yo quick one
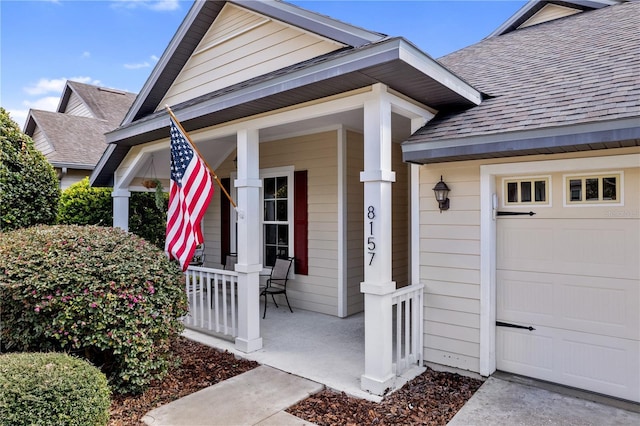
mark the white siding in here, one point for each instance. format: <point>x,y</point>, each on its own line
<point>549,13</point>
<point>450,266</point>
<point>73,176</point>
<point>76,107</point>
<point>401,219</point>
<point>450,255</point>
<point>241,45</point>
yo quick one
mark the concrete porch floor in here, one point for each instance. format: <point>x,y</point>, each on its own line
<point>322,348</point>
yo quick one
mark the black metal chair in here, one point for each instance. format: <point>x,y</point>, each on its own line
<point>230,261</point>
<point>277,282</point>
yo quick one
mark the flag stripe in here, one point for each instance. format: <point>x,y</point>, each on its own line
<point>190,192</point>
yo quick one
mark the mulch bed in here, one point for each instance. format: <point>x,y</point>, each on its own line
<point>432,398</point>
<point>201,366</point>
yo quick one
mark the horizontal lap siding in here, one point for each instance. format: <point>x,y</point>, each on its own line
<point>354,226</point>
<point>76,107</point>
<point>241,45</point>
<point>317,153</point>
<point>450,267</point>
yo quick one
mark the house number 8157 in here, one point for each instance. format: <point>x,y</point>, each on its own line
<point>371,244</point>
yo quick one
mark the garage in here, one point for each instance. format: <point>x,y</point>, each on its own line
<point>568,278</point>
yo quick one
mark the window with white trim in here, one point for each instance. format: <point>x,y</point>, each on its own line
<point>276,220</point>
<point>526,191</point>
<point>593,189</point>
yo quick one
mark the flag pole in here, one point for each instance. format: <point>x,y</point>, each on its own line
<point>195,148</point>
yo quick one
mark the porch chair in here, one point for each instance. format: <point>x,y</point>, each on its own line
<point>198,256</point>
<point>277,282</point>
<point>230,261</point>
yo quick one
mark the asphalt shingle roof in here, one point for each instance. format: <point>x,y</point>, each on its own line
<point>75,140</point>
<point>579,69</point>
<point>80,140</point>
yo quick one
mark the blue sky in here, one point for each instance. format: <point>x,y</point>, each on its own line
<point>116,43</point>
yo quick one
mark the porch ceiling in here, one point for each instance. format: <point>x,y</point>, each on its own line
<point>212,149</point>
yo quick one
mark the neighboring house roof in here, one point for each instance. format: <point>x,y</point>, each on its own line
<point>104,103</point>
<point>368,58</point>
<point>565,85</point>
<point>74,135</point>
<point>77,142</point>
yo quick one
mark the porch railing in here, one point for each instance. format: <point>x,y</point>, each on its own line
<point>408,325</point>
<point>213,301</point>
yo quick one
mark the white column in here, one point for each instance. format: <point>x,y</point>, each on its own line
<point>121,208</point>
<point>378,285</point>
<point>248,186</point>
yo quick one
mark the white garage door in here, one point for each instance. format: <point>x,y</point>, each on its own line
<point>575,281</point>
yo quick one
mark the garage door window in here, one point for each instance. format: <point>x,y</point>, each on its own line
<point>526,191</point>
<point>593,189</point>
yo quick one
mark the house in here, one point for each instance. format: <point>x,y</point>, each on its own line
<point>72,138</point>
<point>331,138</point>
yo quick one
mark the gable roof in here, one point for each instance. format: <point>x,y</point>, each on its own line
<point>78,141</point>
<point>533,7</point>
<point>564,85</point>
<point>198,21</point>
<point>104,103</point>
<point>368,58</point>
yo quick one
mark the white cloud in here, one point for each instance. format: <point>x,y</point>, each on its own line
<point>137,66</point>
<point>48,103</point>
<point>19,116</point>
<point>86,54</point>
<point>158,5</point>
<point>144,64</point>
<point>55,85</point>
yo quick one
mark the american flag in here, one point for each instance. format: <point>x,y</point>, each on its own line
<point>190,191</point>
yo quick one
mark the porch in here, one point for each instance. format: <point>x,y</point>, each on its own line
<point>323,348</point>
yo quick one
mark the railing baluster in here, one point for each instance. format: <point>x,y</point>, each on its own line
<point>407,307</point>
<point>220,300</point>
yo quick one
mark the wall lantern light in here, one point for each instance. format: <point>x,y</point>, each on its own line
<point>441,190</point>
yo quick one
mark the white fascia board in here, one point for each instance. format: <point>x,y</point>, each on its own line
<point>429,66</point>
<point>547,132</point>
<point>313,22</point>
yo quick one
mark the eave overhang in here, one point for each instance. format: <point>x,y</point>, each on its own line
<point>618,133</point>
<point>393,62</point>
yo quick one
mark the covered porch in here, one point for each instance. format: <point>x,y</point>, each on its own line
<point>323,348</point>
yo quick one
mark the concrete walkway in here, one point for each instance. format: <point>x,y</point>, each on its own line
<point>257,397</point>
<point>504,403</point>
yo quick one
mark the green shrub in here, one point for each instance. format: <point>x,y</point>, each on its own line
<point>100,293</point>
<point>29,190</point>
<point>82,204</point>
<point>51,389</point>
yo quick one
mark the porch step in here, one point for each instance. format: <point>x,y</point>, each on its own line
<point>257,397</point>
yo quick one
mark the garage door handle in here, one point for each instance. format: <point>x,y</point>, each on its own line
<point>515,213</point>
<point>506,324</point>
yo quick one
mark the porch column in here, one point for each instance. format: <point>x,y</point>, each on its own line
<point>248,267</point>
<point>121,208</point>
<point>378,285</point>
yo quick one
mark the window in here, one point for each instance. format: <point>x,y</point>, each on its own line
<point>276,219</point>
<point>284,218</point>
<point>525,191</point>
<point>593,189</point>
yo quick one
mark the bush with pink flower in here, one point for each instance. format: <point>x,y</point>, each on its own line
<point>100,293</point>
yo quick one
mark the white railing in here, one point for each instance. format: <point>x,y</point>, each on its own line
<point>408,325</point>
<point>213,300</point>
